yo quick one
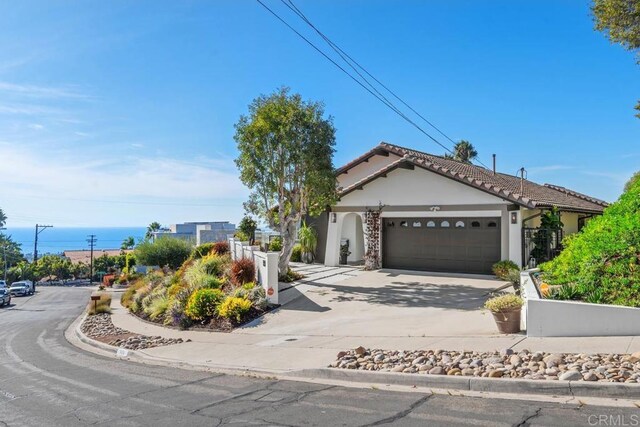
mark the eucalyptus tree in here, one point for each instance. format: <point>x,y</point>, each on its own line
<point>286,147</point>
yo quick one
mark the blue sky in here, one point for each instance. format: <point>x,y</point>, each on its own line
<point>120,113</point>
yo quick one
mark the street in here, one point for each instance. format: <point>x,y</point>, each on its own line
<point>44,381</point>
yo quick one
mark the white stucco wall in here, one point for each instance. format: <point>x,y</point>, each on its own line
<point>404,187</point>
<point>569,219</point>
<point>365,169</point>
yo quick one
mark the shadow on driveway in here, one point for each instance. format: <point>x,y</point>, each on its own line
<point>413,294</point>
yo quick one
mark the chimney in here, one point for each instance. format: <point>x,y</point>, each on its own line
<point>494,164</point>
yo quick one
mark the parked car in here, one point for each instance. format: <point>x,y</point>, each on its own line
<point>3,284</point>
<point>22,288</point>
<point>5,296</point>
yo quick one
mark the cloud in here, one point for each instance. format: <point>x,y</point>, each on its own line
<point>33,91</point>
<point>129,180</point>
<point>549,168</point>
<point>36,126</point>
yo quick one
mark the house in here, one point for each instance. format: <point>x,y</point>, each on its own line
<point>199,232</point>
<point>418,211</point>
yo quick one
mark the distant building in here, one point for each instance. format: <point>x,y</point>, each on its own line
<point>199,232</point>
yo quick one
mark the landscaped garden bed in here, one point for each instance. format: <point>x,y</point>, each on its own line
<point>505,364</point>
<point>208,290</point>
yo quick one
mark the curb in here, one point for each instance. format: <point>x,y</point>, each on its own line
<point>555,388</point>
<point>478,384</point>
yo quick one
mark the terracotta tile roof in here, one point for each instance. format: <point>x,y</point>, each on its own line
<point>509,187</point>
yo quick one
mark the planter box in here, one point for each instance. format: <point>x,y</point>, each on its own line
<point>551,318</point>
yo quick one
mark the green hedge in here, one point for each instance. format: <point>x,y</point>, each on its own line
<point>602,263</point>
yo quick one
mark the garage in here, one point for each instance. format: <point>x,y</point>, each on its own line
<point>461,245</point>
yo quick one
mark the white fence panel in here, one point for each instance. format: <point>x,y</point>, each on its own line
<point>266,264</point>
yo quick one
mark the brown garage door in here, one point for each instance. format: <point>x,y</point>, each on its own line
<point>462,245</point>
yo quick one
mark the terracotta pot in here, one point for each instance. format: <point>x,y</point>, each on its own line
<point>508,321</point>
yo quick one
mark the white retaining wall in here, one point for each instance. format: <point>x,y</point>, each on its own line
<point>266,266</point>
<point>551,318</point>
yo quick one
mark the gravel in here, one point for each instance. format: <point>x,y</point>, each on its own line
<point>504,364</point>
<point>100,326</point>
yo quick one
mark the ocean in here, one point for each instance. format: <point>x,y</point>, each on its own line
<point>59,239</point>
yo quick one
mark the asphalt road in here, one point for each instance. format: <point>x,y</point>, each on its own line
<point>45,381</point>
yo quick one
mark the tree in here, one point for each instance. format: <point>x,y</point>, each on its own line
<point>463,151</point>
<point>164,251</point>
<point>619,20</point>
<point>634,178</point>
<point>128,243</point>
<point>248,227</point>
<point>3,219</point>
<point>153,227</point>
<point>10,250</point>
<point>286,150</point>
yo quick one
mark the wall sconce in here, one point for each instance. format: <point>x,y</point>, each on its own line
<point>514,217</point>
<point>334,217</point>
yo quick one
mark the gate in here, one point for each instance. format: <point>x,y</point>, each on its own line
<point>540,245</point>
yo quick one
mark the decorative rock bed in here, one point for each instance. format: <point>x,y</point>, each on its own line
<point>100,327</point>
<point>504,364</point>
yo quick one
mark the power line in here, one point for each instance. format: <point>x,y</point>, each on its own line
<point>351,62</point>
<point>339,51</point>
<point>393,108</point>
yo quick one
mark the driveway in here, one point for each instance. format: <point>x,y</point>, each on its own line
<point>388,303</point>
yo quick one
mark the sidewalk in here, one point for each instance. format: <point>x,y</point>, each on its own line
<point>255,348</point>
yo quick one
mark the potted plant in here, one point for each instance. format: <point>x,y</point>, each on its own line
<point>506,311</point>
<point>344,253</point>
<point>308,242</point>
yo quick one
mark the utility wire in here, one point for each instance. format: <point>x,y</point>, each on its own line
<point>393,108</point>
<point>337,49</point>
<point>353,64</point>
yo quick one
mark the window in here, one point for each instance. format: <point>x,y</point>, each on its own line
<point>460,224</point>
<point>431,224</point>
<point>492,224</point>
<point>475,224</point>
<point>416,224</point>
<point>444,224</point>
<point>404,224</point>
<point>391,224</point>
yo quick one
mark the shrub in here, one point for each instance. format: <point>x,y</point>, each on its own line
<point>503,303</point>
<point>202,303</point>
<point>158,307</point>
<point>234,307</point>
<point>296,254</point>
<point>308,241</point>
<point>276,244</point>
<point>103,305</point>
<point>502,268</point>
<point>214,264</point>
<point>221,248</point>
<point>202,250</point>
<point>164,251</point>
<point>176,312</point>
<point>213,282</point>
<point>127,296</point>
<point>242,271</point>
<point>602,261</point>
<point>290,276</point>
<point>242,236</point>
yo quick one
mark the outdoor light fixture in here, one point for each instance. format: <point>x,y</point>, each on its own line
<point>333,217</point>
<point>435,208</point>
<point>514,217</point>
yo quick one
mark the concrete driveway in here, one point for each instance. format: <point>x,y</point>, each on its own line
<point>350,302</point>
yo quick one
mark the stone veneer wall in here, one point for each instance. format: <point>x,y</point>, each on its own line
<point>372,231</point>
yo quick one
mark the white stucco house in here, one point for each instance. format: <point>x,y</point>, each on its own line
<point>419,211</point>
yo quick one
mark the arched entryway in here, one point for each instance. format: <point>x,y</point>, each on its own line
<point>353,233</point>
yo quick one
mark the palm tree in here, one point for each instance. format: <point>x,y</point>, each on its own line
<point>463,151</point>
<point>153,227</point>
<point>128,243</point>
